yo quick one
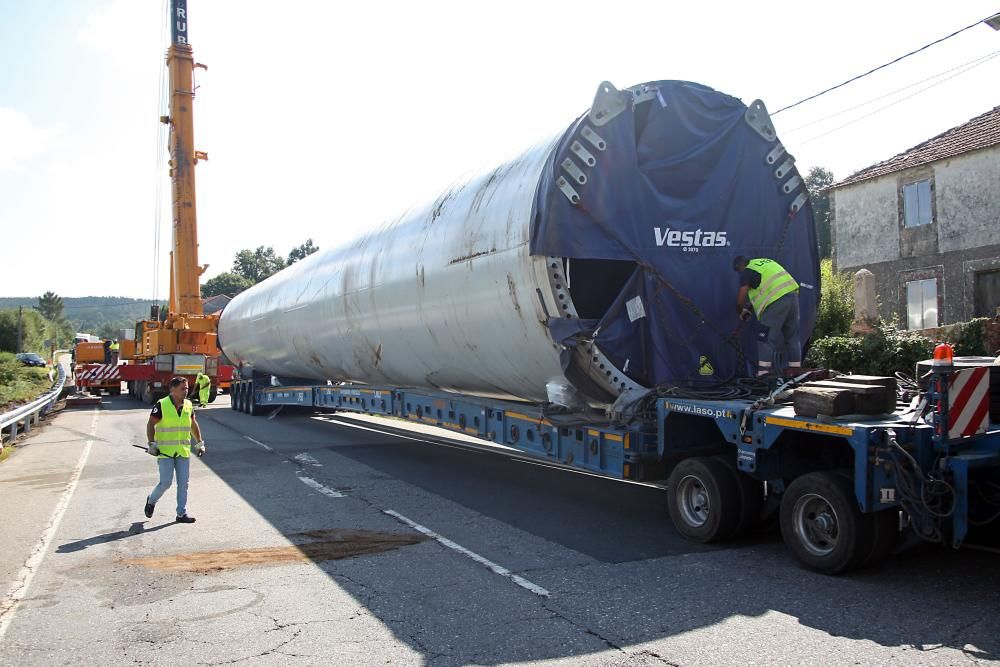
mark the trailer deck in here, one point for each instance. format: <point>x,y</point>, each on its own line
<point>897,467</point>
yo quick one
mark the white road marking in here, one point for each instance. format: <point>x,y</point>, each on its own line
<point>316,486</point>
<point>22,583</point>
<point>258,442</point>
<point>305,459</point>
<point>490,565</point>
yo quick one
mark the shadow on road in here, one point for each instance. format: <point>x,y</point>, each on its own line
<point>645,582</point>
<point>137,528</point>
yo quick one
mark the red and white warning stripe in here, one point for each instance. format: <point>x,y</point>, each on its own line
<point>98,373</point>
<point>969,402</point>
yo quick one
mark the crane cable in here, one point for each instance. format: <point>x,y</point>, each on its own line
<point>880,67</point>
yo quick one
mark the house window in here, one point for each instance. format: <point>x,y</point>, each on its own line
<point>917,204</point>
<point>921,304</point>
<point>987,293</point>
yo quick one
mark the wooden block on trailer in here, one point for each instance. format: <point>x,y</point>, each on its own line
<point>889,383</point>
<point>868,399</point>
<point>831,402</point>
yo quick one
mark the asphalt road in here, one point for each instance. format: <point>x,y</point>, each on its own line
<point>323,540</point>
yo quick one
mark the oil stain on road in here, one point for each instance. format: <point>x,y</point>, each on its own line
<point>321,545</point>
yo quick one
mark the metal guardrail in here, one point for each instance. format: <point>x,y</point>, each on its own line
<point>28,415</point>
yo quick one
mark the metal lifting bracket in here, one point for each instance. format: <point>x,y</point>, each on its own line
<point>759,119</point>
<point>608,103</point>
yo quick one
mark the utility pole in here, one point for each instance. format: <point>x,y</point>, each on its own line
<point>20,330</point>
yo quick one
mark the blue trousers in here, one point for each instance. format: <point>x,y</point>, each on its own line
<point>168,466</point>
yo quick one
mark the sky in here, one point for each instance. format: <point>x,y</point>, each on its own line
<point>324,119</point>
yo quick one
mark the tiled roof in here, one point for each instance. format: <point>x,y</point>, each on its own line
<point>980,132</point>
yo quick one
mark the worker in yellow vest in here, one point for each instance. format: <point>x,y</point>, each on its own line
<point>169,429</point>
<point>774,295</point>
<point>203,384</point>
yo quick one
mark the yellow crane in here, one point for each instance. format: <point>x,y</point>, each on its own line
<point>185,341</point>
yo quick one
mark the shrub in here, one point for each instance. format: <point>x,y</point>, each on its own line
<point>882,352</point>
<point>971,338</point>
<point>836,302</point>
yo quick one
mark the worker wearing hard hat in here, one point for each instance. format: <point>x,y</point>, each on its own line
<point>203,384</point>
<point>774,295</point>
<point>169,429</point>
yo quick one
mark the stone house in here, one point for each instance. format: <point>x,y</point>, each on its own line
<point>926,222</point>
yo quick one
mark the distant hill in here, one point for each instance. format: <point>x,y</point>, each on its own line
<point>89,313</point>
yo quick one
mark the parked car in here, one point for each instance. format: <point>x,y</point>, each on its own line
<point>31,359</point>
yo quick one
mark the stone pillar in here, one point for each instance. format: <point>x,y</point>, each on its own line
<point>865,303</point>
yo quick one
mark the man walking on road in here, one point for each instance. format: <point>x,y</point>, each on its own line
<point>169,430</point>
<point>203,384</point>
<point>774,295</point>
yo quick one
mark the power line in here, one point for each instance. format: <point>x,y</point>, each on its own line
<point>902,99</point>
<point>875,69</point>
<point>978,60</point>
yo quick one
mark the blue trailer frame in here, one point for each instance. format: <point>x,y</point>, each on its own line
<point>766,443</point>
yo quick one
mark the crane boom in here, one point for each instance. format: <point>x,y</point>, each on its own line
<point>185,290</point>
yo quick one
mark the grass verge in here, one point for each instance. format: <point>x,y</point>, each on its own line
<point>19,383</point>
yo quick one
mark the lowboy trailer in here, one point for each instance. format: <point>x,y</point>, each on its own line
<point>846,489</point>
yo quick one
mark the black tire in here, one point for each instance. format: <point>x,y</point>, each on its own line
<point>252,408</point>
<point>232,398</point>
<point>751,498</point>
<point>822,524</point>
<point>885,525</point>
<point>703,499</point>
<point>213,393</point>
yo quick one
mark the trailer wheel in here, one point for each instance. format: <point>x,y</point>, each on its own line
<point>704,500</point>
<point>252,408</point>
<point>213,393</point>
<point>232,397</point>
<point>822,524</point>
<point>751,498</point>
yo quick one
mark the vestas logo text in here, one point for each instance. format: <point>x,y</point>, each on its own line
<point>689,241</point>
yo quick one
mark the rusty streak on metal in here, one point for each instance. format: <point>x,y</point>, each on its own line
<point>465,258</point>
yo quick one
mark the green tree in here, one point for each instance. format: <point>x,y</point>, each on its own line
<point>34,331</point>
<point>50,305</point>
<point>836,302</point>
<point>257,265</point>
<point>107,331</point>
<point>302,251</point>
<point>816,182</point>
<point>225,283</point>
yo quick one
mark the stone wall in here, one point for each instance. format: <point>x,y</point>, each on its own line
<point>963,239</point>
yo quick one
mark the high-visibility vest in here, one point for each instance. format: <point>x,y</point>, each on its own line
<point>114,347</point>
<point>775,283</point>
<point>172,433</point>
<point>203,381</point>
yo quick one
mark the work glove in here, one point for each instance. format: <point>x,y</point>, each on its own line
<point>152,449</point>
<point>745,314</point>
<point>199,448</point>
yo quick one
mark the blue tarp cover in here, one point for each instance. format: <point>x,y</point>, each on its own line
<point>681,189</point>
